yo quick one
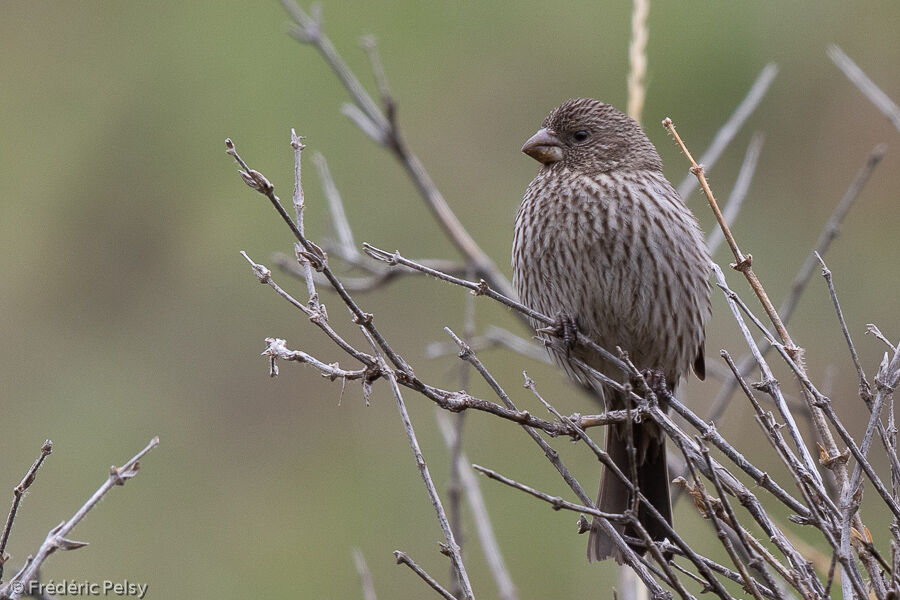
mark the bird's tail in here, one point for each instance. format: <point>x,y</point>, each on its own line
<point>614,496</point>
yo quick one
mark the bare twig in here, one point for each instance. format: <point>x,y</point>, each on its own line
<point>873,329</point>
<point>793,354</point>
<point>56,539</point>
<point>557,502</point>
<point>871,91</point>
<point>630,557</point>
<point>801,279</point>
<point>18,493</point>
<point>771,385</point>
<point>493,337</point>
<point>342,227</point>
<point>365,576</point>
<point>404,559</point>
<point>454,442</point>
<point>832,228</point>
<point>865,390</point>
<point>748,544</point>
<point>383,128</point>
<point>277,348</point>
<point>739,191</point>
<point>731,127</point>
<point>702,563</point>
<point>452,546</point>
<point>506,589</point>
<point>710,513</point>
<point>299,206</point>
<point>481,288</point>
<point>258,182</point>
<point>374,278</point>
<point>318,316</point>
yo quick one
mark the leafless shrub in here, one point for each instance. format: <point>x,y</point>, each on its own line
<point>821,490</point>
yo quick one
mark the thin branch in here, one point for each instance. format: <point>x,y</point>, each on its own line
<point>461,401</point>
<point>506,589</point>
<point>770,384</point>
<point>733,485</point>
<point>454,485</point>
<point>384,129</point>
<point>557,502</point>
<point>481,288</point>
<point>681,546</point>
<point>493,337</point>
<point>299,206</point>
<point>56,538</point>
<point>404,559</point>
<point>865,390</point>
<point>873,329</point>
<point>823,403</point>
<point>342,227</point>
<point>365,576</point>
<point>731,127</point>
<point>747,543</point>
<point>469,356</point>
<point>801,279</point>
<point>452,546</point>
<point>862,82</point>
<point>277,348</point>
<point>18,493</point>
<point>317,257</point>
<point>374,278</point>
<point>710,513</point>
<point>832,228</point>
<point>739,191</point>
<point>743,262</point>
<point>553,456</point>
<point>317,316</point>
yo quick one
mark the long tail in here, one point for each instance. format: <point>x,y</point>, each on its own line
<point>614,496</point>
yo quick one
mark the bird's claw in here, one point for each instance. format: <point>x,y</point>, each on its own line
<point>566,329</point>
<point>655,380</point>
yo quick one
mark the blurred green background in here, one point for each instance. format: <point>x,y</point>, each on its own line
<point>127,311</point>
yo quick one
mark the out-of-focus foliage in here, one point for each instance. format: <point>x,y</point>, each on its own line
<point>127,311</point>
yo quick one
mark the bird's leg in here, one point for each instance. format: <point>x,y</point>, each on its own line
<point>656,381</point>
<point>564,328</point>
<point>567,330</point>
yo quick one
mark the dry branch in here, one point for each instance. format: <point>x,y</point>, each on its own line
<point>56,539</point>
<point>767,567</point>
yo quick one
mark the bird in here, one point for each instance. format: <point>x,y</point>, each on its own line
<point>604,244</point>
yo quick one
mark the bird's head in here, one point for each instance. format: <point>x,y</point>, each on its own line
<point>588,136</point>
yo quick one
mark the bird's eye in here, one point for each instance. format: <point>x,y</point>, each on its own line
<point>581,135</point>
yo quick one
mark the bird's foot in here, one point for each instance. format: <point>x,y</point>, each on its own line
<point>567,331</point>
<point>564,328</point>
<point>656,381</point>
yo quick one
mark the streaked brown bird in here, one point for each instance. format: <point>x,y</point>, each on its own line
<point>604,242</point>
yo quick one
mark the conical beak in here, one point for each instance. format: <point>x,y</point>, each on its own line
<point>544,147</point>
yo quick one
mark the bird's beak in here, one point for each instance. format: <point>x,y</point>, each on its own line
<point>544,147</point>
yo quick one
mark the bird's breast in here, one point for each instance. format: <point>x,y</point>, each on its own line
<point>618,255</point>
